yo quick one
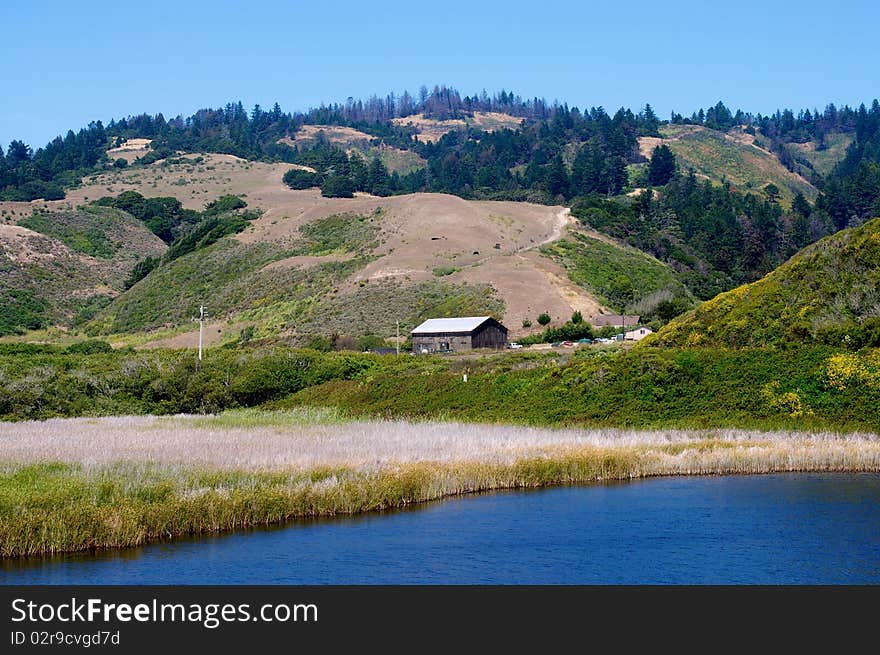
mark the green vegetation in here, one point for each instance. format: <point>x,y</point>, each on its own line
<point>642,387</point>
<point>80,231</point>
<point>620,277</point>
<point>745,167</point>
<point>232,274</point>
<point>403,162</point>
<point>714,237</point>
<point>338,186</point>
<point>662,166</point>
<point>507,146</point>
<point>43,381</point>
<point>570,331</point>
<point>340,234</point>
<point>298,179</point>
<point>203,234</point>
<point>71,264</point>
<point>443,271</point>
<point>828,293</point>
<point>824,156</point>
<point>165,217</point>
<point>20,309</point>
<point>808,388</point>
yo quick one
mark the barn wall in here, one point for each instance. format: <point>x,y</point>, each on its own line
<point>489,336</point>
<point>433,342</point>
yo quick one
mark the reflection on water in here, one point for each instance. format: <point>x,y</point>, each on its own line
<point>774,529</point>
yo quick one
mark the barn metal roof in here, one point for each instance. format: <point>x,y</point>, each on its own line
<point>464,324</point>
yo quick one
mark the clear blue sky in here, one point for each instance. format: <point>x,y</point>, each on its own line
<point>67,63</point>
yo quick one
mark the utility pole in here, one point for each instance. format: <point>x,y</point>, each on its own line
<point>397,340</point>
<point>203,316</point>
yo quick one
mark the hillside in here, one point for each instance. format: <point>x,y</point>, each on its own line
<point>352,140</point>
<point>733,157</point>
<point>447,204</point>
<point>318,266</point>
<point>824,158</point>
<point>827,293</point>
<point>623,278</point>
<point>58,267</point>
<point>429,130</point>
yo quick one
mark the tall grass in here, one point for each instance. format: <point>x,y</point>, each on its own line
<point>123,482</point>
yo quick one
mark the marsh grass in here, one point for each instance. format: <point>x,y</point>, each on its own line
<point>256,418</point>
<point>127,481</point>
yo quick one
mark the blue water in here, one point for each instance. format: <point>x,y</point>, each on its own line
<point>773,529</point>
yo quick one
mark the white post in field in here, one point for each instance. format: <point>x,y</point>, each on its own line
<point>202,317</point>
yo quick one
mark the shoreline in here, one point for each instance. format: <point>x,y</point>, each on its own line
<point>80,503</point>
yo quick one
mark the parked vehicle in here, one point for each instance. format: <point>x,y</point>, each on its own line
<point>514,345</point>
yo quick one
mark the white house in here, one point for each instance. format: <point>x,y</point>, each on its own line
<point>638,334</point>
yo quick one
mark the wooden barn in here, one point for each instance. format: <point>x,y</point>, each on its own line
<point>440,335</point>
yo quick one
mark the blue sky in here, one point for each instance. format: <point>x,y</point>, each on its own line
<point>64,64</point>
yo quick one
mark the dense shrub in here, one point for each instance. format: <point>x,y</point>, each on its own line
<point>89,347</point>
<point>297,178</point>
<point>338,186</point>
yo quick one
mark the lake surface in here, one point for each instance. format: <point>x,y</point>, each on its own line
<point>771,529</point>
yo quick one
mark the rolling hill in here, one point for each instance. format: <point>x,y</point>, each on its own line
<point>58,268</point>
<point>827,293</point>
<point>469,213</point>
<point>314,265</point>
<point>311,265</point>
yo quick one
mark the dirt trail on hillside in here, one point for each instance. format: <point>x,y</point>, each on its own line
<point>423,236</point>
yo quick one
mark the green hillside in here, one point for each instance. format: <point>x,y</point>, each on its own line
<point>295,299</point>
<point>824,158</point>
<point>58,267</point>
<point>827,293</point>
<point>722,158</point>
<point>619,276</point>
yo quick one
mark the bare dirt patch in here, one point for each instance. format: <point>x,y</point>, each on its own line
<point>430,129</point>
<point>130,150</point>
<point>307,261</point>
<point>647,145</point>
<point>336,134</point>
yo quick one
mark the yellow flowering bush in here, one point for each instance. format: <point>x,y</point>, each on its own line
<point>788,402</point>
<point>850,368</point>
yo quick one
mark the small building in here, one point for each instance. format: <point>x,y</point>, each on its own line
<point>638,334</point>
<point>615,320</point>
<point>441,335</point>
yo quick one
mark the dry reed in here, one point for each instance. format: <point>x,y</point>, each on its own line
<point>74,484</point>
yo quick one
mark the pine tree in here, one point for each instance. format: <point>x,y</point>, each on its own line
<point>557,178</point>
<point>650,122</point>
<point>662,166</point>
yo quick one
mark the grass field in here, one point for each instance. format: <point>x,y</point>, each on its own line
<point>127,481</point>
